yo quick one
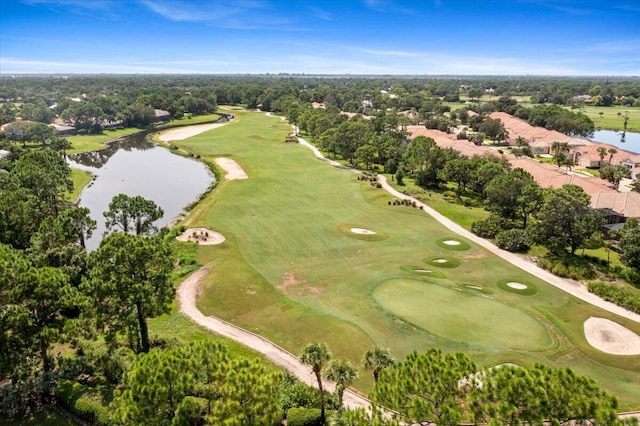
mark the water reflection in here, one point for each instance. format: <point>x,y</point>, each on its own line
<point>135,166</point>
<point>627,141</point>
<point>97,159</point>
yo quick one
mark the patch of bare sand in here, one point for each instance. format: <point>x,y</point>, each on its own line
<point>233,169</point>
<point>290,280</point>
<point>362,231</point>
<point>202,236</point>
<point>610,337</point>
<point>186,132</point>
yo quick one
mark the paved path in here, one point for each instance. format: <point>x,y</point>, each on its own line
<point>188,292</point>
<point>572,287</point>
<point>190,289</point>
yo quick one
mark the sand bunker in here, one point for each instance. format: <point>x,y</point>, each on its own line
<point>439,260</point>
<point>362,231</point>
<point>182,133</point>
<point>426,271</point>
<point>451,242</point>
<point>202,236</point>
<point>517,286</point>
<point>233,169</point>
<point>610,337</point>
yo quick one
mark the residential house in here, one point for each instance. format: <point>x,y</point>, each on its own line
<point>162,116</point>
<point>64,130</point>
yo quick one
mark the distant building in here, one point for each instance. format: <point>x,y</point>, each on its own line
<point>582,98</point>
<point>162,116</point>
<point>64,130</point>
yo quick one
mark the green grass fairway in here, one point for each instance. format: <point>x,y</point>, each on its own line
<point>288,272</point>
<point>610,120</point>
<point>475,320</point>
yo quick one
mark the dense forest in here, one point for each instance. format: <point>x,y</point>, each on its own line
<point>75,323</point>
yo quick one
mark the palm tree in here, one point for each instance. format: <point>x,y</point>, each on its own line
<point>315,355</point>
<point>611,152</point>
<point>602,152</point>
<point>344,374</point>
<point>376,360</point>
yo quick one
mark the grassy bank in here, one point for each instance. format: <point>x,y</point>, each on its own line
<point>288,271</point>
<point>612,118</point>
<point>80,179</point>
<point>82,143</point>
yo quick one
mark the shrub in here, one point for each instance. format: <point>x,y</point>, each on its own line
<point>572,267</point>
<point>489,227</point>
<point>25,396</point>
<point>513,240</point>
<point>79,400</point>
<point>626,298</point>
<point>305,416</point>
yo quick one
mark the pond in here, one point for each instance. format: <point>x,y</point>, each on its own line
<point>134,166</point>
<point>627,141</point>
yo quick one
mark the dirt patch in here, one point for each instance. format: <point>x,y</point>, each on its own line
<point>290,280</point>
<point>202,236</point>
<point>233,169</point>
<point>188,131</point>
<point>610,337</point>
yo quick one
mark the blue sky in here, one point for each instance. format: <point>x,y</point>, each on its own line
<point>484,37</point>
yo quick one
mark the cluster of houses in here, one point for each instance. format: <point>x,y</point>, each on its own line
<point>161,116</point>
<point>618,205</point>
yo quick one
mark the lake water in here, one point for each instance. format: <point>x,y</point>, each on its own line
<point>631,140</point>
<point>135,166</point>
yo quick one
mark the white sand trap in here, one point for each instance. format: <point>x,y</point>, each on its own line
<point>182,133</point>
<point>610,337</point>
<point>517,286</point>
<point>475,287</point>
<point>233,169</point>
<point>439,260</point>
<point>202,236</point>
<point>426,271</point>
<point>452,242</point>
<point>362,231</point>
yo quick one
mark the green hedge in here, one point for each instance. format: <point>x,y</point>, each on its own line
<point>79,400</point>
<point>305,416</point>
<point>626,298</point>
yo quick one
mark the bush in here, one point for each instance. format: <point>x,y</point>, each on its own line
<point>572,267</point>
<point>513,240</point>
<point>25,396</point>
<point>489,227</point>
<point>626,298</point>
<point>92,411</point>
<point>79,400</point>
<point>305,416</point>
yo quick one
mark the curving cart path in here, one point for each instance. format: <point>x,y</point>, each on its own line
<point>575,288</point>
<point>189,290</point>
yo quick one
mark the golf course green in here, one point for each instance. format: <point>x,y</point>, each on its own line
<point>299,265</point>
<point>429,306</point>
